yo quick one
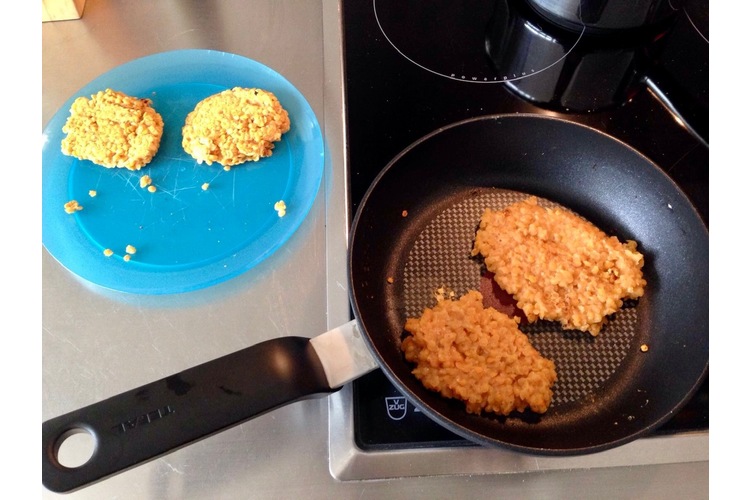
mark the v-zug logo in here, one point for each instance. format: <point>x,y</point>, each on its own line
<point>396,407</point>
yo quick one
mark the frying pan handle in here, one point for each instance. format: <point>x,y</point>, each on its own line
<point>144,423</point>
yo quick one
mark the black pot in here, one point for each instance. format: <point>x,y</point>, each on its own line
<point>606,15</point>
<point>581,72</point>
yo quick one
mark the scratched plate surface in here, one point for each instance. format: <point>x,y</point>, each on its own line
<point>185,237</point>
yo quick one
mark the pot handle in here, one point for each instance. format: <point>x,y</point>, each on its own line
<point>145,423</point>
<point>692,116</point>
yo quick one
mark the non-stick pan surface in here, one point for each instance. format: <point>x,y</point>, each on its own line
<point>416,224</point>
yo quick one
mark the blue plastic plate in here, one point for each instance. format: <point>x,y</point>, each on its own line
<point>185,237</point>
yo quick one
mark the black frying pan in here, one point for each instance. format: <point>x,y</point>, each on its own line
<point>415,225</point>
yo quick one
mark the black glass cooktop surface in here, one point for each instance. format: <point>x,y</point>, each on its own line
<point>412,67</point>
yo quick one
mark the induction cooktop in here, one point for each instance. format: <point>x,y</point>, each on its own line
<point>411,67</point>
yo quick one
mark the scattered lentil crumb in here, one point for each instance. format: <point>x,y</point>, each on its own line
<point>227,168</point>
<point>145,181</point>
<point>644,347</point>
<point>444,294</point>
<point>92,193</point>
<point>130,249</point>
<point>280,207</point>
<point>126,258</point>
<point>390,279</point>
<point>72,207</point>
<point>204,186</point>
<point>152,189</point>
<point>404,213</point>
<point>108,252</point>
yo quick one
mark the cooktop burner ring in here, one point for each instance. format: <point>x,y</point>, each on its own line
<point>697,16</point>
<point>483,73</point>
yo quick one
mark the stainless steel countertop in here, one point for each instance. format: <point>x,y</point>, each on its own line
<point>96,344</point>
